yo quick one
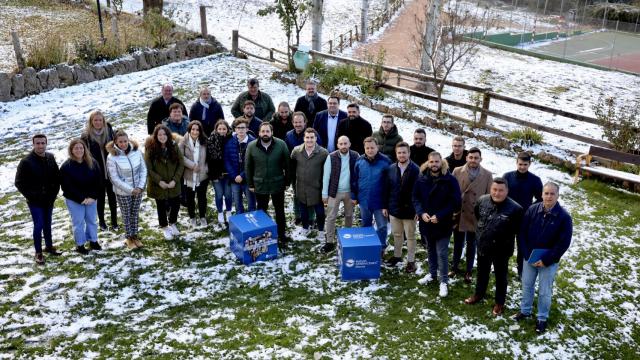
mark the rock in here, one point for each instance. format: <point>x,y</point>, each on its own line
<point>171,54</point>
<point>118,68</point>
<point>31,81</point>
<point>161,57</point>
<point>208,49</point>
<point>150,56</point>
<point>82,75</point>
<point>130,65</point>
<point>17,86</point>
<point>5,87</point>
<point>181,49</point>
<point>108,68</point>
<point>53,80</point>
<point>43,77</point>
<point>99,72</point>
<point>141,61</point>
<point>65,74</point>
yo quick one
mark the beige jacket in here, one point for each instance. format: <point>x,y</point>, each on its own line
<point>471,192</point>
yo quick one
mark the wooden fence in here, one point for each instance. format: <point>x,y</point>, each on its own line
<point>235,50</point>
<point>487,95</point>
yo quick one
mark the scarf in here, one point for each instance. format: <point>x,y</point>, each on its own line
<point>195,145</point>
<point>312,104</point>
<point>101,138</point>
<point>205,107</point>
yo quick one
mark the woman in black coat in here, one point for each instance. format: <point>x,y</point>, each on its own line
<point>96,135</point>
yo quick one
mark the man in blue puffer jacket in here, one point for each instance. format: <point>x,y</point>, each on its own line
<point>368,187</point>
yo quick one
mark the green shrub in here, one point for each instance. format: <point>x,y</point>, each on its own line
<point>159,27</point>
<point>620,124</point>
<point>525,136</point>
<point>90,51</point>
<point>45,51</point>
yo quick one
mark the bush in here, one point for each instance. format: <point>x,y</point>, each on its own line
<point>620,124</point>
<point>159,27</point>
<point>332,77</point>
<point>525,136</point>
<point>45,51</point>
<point>90,51</point>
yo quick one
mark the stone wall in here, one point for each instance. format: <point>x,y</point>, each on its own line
<point>31,82</point>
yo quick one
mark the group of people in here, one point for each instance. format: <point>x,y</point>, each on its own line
<point>330,158</point>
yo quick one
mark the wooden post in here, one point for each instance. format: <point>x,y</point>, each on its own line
<point>357,37</point>
<point>341,43</point>
<point>271,55</point>
<point>203,20</point>
<point>234,42</point>
<point>330,46</point>
<point>486,99</point>
<point>350,38</point>
<point>18,50</point>
<point>398,81</point>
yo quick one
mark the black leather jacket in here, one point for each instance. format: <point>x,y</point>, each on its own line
<point>497,225</point>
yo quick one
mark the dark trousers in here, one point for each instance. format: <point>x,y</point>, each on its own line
<point>500,265</point>
<point>201,193</point>
<point>306,216</point>
<point>41,217</point>
<point>168,205</point>
<point>111,197</point>
<point>459,240</point>
<point>519,257</point>
<point>278,204</point>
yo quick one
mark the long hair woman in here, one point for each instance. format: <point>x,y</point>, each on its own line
<point>81,184</point>
<point>215,157</point>
<point>97,133</point>
<point>194,149</point>
<point>165,167</point>
<point>128,174</point>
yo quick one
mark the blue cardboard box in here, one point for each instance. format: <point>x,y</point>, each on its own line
<point>358,253</point>
<point>253,236</point>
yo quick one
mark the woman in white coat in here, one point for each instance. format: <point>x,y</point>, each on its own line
<point>128,174</point>
<point>194,148</point>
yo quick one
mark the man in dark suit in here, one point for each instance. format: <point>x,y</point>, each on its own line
<point>311,103</point>
<point>355,128</point>
<point>159,109</point>
<point>326,123</point>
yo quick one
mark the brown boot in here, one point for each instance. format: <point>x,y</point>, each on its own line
<point>137,241</point>
<point>498,309</point>
<point>411,267</point>
<point>131,244</point>
<point>468,277</point>
<point>473,299</point>
<point>39,258</point>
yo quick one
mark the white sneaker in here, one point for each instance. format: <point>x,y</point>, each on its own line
<point>193,223</point>
<point>444,290</point>
<point>168,234</point>
<point>228,214</point>
<point>220,218</point>
<point>425,280</point>
<point>174,230</point>
<point>203,222</point>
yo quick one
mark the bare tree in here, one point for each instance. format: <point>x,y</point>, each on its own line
<point>448,49</point>
<point>148,5</point>
<point>293,15</point>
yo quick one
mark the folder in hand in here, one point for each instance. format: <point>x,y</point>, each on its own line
<point>536,255</point>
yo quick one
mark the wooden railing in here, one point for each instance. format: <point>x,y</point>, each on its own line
<point>235,49</point>
<point>487,95</point>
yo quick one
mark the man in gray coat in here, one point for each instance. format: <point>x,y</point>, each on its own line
<point>307,164</point>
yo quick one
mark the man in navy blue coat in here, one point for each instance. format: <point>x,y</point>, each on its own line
<point>326,123</point>
<point>523,188</point>
<point>546,228</point>
<point>207,110</point>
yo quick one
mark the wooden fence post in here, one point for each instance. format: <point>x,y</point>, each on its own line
<point>357,37</point>
<point>330,46</point>
<point>203,20</point>
<point>350,38</point>
<point>341,43</point>
<point>271,55</point>
<point>18,50</point>
<point>486,99</point>
<point>234,42</point>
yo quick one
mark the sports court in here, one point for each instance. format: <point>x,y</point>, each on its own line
<point>616,50</point>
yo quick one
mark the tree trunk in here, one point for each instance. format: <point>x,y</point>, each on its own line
<point>114,23</point>
<point>316,22</point>
<point>430,33</point>
<point>152,5</point>
<point>364,15</point>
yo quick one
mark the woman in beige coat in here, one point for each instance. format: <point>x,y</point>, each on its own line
<point>194,147</point>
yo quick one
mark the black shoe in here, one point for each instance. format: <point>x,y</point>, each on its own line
<point>283,244</point>
<point>82,250</point>
<point>541,326</point>
<point>520,316</point>
<point>93,245</point>
<point>393,261</point>
<point>103,227</point>
<point>298,221</point>
<point>115,228</point>
<point>39,258</point>
<point>327,248</point>
<point>52,251</point>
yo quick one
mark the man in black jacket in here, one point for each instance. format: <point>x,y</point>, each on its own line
<point>458,155</point>
<point>499,220</point>
<point>311,103</point>
<point>355,128</point>
<point>419,150</point>
<point>159,109</point>
<point>38,180</point>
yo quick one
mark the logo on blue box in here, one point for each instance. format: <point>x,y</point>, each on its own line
<point>253,237</point>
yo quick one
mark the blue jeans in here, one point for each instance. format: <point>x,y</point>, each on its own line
<point>438,257</point>
<point>41,225</point>
<point>83,221</point>
<point>222,189</point>
<point>305,214</point>
<point>367,216</point>
<point>545,288</point>
<point>238,190</point>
